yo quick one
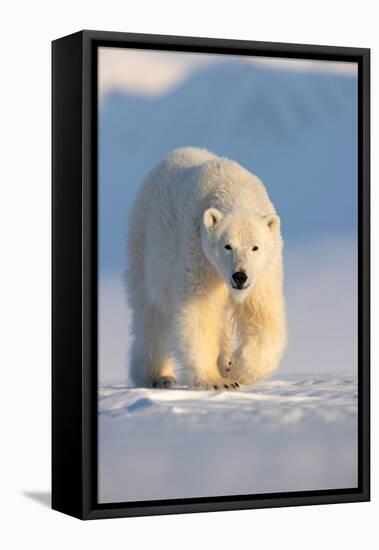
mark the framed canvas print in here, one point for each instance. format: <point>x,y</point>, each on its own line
<point>210,275</point>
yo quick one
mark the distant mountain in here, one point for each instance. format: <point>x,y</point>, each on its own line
<point>295,130</point>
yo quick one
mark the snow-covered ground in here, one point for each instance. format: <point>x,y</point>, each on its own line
<point>290,433</point>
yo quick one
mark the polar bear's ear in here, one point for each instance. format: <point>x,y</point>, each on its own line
<point>211,217</point>
<point>272,221</point>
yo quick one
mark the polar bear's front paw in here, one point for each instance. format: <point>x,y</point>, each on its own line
<point>239,369</point>
<point>223,364</point>
<point>164,382</point>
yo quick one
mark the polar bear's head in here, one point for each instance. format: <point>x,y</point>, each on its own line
<point>239,244</point>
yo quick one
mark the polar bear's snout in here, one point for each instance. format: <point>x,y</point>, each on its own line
<point>239,280</point>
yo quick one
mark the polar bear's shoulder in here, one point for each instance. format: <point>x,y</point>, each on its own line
<point>229,185</point>
<point>188,157</point>
<point>172,168</point>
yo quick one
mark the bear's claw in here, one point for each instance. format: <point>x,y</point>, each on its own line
<point>164,382</point>
<point>219,387</point>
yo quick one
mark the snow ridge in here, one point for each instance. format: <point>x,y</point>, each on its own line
<point>274,403</point>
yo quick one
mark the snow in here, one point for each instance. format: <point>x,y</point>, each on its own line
<point>290,433</point>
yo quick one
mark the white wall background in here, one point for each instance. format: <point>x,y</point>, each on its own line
<point>27,28</point>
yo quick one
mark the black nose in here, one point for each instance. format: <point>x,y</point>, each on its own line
<point>239,277</point>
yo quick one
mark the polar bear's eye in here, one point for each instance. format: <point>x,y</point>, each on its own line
<point>228,247</point>
<point>254,248</point>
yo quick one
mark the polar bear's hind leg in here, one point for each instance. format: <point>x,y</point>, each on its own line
<point>151,363</point>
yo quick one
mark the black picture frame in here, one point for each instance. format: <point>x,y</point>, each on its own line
<point>74,273</point>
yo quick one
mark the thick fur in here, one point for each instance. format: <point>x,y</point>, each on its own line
<point>186,311</point>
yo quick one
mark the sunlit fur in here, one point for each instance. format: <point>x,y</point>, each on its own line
<point>186,312</point>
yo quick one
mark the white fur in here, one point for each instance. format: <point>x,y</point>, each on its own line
<point>180,286</point>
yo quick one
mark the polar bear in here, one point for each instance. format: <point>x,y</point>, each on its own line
<point>205,275</point>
